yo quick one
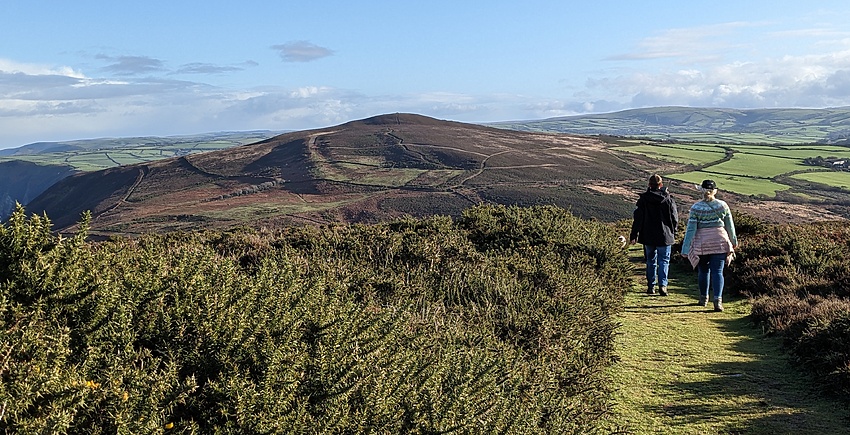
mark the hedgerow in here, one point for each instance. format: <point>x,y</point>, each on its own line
<point>497,322</point>
<point>799,279</point>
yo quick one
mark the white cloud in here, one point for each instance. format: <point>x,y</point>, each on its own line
<point>786,80</point>
<point>309,91</point>
<point>12,67</point>
<point>696,44</point>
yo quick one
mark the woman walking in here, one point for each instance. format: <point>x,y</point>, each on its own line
<point>710,242</point>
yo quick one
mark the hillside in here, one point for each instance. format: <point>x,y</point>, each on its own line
<point>182,144</point>
<point>828,126</point>
<point>22,181</point>
<point>29,170</point>
<point>362,171</point>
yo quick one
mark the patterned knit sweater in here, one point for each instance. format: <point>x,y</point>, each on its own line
<point>711,214</point>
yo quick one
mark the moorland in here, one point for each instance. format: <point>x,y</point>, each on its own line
<point>363,171</point>
<point>29,170</point>
<point>395,165</point>
<point>408,305</point>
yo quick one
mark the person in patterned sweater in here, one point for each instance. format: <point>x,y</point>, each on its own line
<point>710,242</point>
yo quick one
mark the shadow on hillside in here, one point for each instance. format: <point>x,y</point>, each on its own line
<point>779,398</point>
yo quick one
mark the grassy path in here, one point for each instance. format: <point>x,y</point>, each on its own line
<point>688,370</point>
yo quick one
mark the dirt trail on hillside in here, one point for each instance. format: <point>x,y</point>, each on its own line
<point>688,370</point>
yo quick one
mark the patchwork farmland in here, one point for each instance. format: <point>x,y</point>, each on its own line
<point>752,170</point>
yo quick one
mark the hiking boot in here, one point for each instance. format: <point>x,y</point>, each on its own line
<point>662,290</point>
<point>703,301</point>
<point>718,305</point>
<point>650,290</point>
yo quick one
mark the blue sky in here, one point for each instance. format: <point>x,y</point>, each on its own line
<point>87,69</point>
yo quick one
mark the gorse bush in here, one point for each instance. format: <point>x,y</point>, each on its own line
<point>498,322</point>
<point>799,278</point>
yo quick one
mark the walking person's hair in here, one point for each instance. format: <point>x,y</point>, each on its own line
<point>709,189</point>
<point>655,180</point>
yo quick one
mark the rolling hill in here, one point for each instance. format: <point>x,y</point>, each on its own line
<point>27,171</point>
<point>826,126</point>
<point>362,171</point>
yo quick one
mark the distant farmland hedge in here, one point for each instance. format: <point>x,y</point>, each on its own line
<point>497,322</point>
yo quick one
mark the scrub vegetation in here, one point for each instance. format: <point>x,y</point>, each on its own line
<point>498,322</point>
<point>503,320</point>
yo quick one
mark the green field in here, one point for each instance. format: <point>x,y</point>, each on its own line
<point>799,153</point>
<point>733,183</point>
<point>830,178</point>
<point>755,165</point>
<point>98,154</point>
<point>748,138</point>
<point>752,169</point>
<point>676,154</point>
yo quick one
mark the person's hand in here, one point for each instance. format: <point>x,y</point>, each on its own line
<point>632,241</point>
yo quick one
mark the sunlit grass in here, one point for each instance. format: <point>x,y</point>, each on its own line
<point>734,183</point>
<point>685,369</point>
<point>757,166</point>
<point>832,178</point>
<point>675,154</point>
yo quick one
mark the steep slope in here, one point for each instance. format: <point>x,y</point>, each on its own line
<point>21,182</point>
<point>361,171</point>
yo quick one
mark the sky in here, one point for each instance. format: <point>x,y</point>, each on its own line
<point>91,69</point>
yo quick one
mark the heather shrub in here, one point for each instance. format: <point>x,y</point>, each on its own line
<point>825,347</point>
<point>802,259</point>
<point>799,278</point>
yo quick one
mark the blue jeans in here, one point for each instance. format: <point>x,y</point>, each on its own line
<point>657,263</point>
<point>710,274</point>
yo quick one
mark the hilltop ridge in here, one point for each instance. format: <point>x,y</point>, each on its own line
<point>361,171</point>
<point>775,125</point>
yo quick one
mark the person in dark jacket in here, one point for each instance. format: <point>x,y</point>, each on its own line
<point>654,226</point>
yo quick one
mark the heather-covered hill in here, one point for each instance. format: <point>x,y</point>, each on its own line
<point>362,171</point>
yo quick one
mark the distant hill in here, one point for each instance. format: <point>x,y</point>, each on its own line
<point>362,171</point>
<point>387,166</point>
<point>828,126</point>
<point>205,141</point>
<point>27,171</point>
